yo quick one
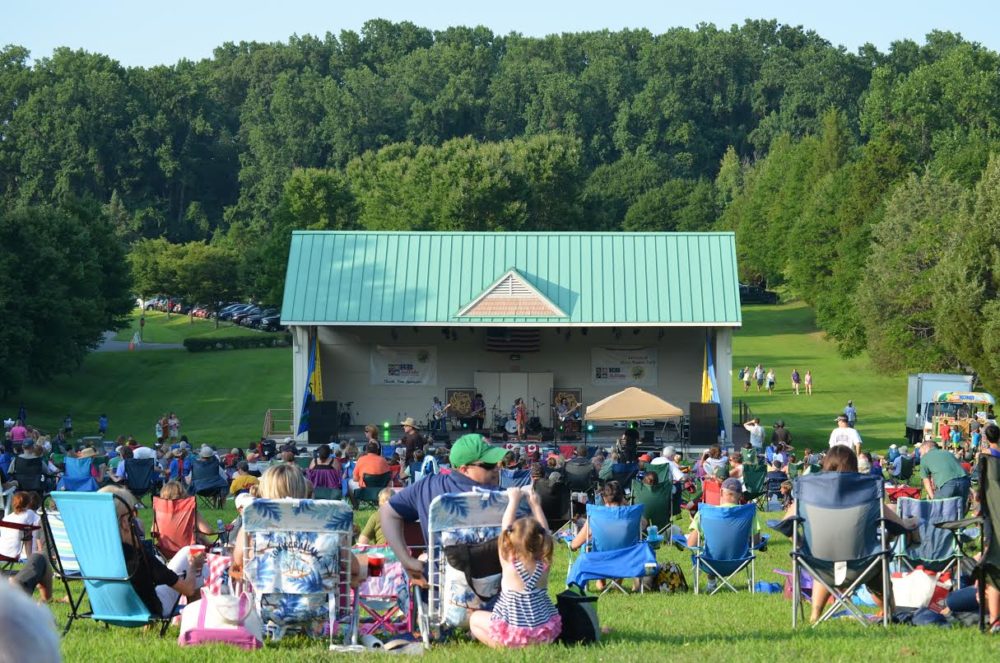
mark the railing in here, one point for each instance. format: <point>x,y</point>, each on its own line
<point>278,422</point>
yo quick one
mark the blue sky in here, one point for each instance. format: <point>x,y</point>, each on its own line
<point>145,33</point>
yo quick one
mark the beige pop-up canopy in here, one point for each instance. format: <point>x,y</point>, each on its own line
<point>632,403</point>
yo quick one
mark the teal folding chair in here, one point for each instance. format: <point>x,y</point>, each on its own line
<point>92,525</point>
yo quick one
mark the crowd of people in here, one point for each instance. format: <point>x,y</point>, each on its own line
<point>767,379</point>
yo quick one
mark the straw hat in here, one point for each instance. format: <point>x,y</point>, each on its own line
<point>206,452</point>
<point>410,422</point>
<point>89,452</point>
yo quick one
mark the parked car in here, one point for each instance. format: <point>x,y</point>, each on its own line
<point>753,294</point>
<point>228,315</point>
<point>271,323</point>
<point>254,320</point>
<point>238,317</point>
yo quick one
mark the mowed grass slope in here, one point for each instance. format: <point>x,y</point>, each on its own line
<point>160,329</point>
<point>220,397</point>
<point>785,337</point>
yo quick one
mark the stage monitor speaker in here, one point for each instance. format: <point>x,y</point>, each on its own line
<point>704,423</point>
<point>324,421</point>
<point>442,436</point>
<point>649,437</point>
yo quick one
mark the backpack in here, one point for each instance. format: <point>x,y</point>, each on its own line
<point>742,373</point>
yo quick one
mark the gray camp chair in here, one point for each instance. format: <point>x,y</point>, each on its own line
<point>939,548</point>
<point>843,540</point>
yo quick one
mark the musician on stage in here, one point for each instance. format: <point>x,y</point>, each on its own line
<point>438,414</point>
<point>521,418</point>
<point>477,412</point>
<point>564,417</point>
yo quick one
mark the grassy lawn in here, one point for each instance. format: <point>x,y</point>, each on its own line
<point>159,329</point>
<point>220,397</point>
<point>785,337</point>
<point>671,627</point>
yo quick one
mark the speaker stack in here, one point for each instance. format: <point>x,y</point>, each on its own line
<point>704,423</point>
<point>324,421</point>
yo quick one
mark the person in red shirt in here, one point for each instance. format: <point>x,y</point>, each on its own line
<point>369,463</point>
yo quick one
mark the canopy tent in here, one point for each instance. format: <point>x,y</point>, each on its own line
<point>632,403</point>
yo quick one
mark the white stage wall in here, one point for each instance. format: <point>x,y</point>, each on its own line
<point>346,364</point>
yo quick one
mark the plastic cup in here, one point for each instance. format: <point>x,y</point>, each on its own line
<point>376,562</point>
<point>196,550</point>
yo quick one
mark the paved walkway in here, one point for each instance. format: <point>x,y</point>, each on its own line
<point>109,344</point>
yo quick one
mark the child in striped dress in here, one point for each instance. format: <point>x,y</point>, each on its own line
<point>524,614</point>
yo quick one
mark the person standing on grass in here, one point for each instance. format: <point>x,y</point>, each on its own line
<point>796,380</point>
<point>746,375</point>
<point>758,375</point>
<point>809,383</point>
<point>852,414</point>
<point>174,426</point>
<point>845,435</point>
<point>756,433</point>
<point>770,381</point>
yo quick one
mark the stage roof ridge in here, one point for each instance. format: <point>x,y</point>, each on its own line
<point>431,278</point>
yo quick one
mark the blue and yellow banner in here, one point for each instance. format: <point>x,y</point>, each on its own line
<point>314,381</point>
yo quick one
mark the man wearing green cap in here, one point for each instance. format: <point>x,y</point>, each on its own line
<point>474,463</point>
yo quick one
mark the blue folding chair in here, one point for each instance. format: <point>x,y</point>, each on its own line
<point>92,525</point>
<point>77,477</point>
<point>615,549</point>
<point>939,549</point>
<point>725,545</point>
<point>843,540</point>
<point>514,478</point>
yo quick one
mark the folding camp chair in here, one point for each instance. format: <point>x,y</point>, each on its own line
<point>6,500</point>
<point>30,476</point>
<point>27,533</point>
<point>754,488</point>
<point>327,482</point>
<point>62,559</point>
<point>298,565</point>
<point>454,518</point>
<point>77,476</point>
<point>174,524</point>
<point>615,549</point>
<point>514,478</point>
<point>843,540</point>
<point>91,522</point>
<point>624,473</point>
<point>374,483</point>
<point>905,470</point>
<point>139,476</point>
<point>655,501</point>
<point>894,493</point>
<point>939,548</point>
<point>382,603</point>
<point>555,499</point>
<point>711,491</point>
<point>207,484</point>
<point>725,545</point>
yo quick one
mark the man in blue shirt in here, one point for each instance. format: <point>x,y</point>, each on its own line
<point>851,414</point>
<point>475,464</point>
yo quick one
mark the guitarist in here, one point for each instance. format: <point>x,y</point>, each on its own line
<point>438,413</point>
<point>565,414</point>
<point>477,412</point>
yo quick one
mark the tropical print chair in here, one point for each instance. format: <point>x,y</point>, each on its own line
<point>298,565</point>
<point>457,518</point>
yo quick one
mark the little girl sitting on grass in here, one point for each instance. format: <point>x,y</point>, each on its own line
<point>524,614</point>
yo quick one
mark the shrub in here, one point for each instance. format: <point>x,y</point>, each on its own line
<point>196,344</point>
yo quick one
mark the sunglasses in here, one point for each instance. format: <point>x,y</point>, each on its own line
<point>486,466</point>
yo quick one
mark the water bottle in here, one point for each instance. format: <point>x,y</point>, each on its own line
<point>223,534</point>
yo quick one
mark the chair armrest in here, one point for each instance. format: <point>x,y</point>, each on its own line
<point>959,524</point>
<point>784,526</point>
<point>20,527</point>
<point>764,538</point>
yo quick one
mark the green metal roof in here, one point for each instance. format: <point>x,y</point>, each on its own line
<point>420,278</point>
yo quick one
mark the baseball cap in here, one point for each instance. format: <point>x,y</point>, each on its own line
<point>472,448</point>
<point>842,417</point>
<point>645,458</point>
<point>733,485</point>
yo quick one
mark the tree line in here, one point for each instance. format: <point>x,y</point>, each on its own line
<point>854,179</point>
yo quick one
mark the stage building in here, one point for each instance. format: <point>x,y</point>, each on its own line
<point>382,322</point>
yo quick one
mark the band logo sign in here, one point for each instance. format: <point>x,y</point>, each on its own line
<point>631,367</point>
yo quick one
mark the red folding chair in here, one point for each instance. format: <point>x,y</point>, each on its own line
<point>895,492</point>
<point>711,491</point>
<point>174,523</point>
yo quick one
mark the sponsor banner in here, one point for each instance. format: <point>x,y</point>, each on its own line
<point>614,367</point>
<point>404,365</point>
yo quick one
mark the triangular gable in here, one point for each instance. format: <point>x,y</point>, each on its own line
<point>511,296</point>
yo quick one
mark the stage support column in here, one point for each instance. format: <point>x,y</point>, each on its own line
<point>300,369</point>
<point>724,377</point>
